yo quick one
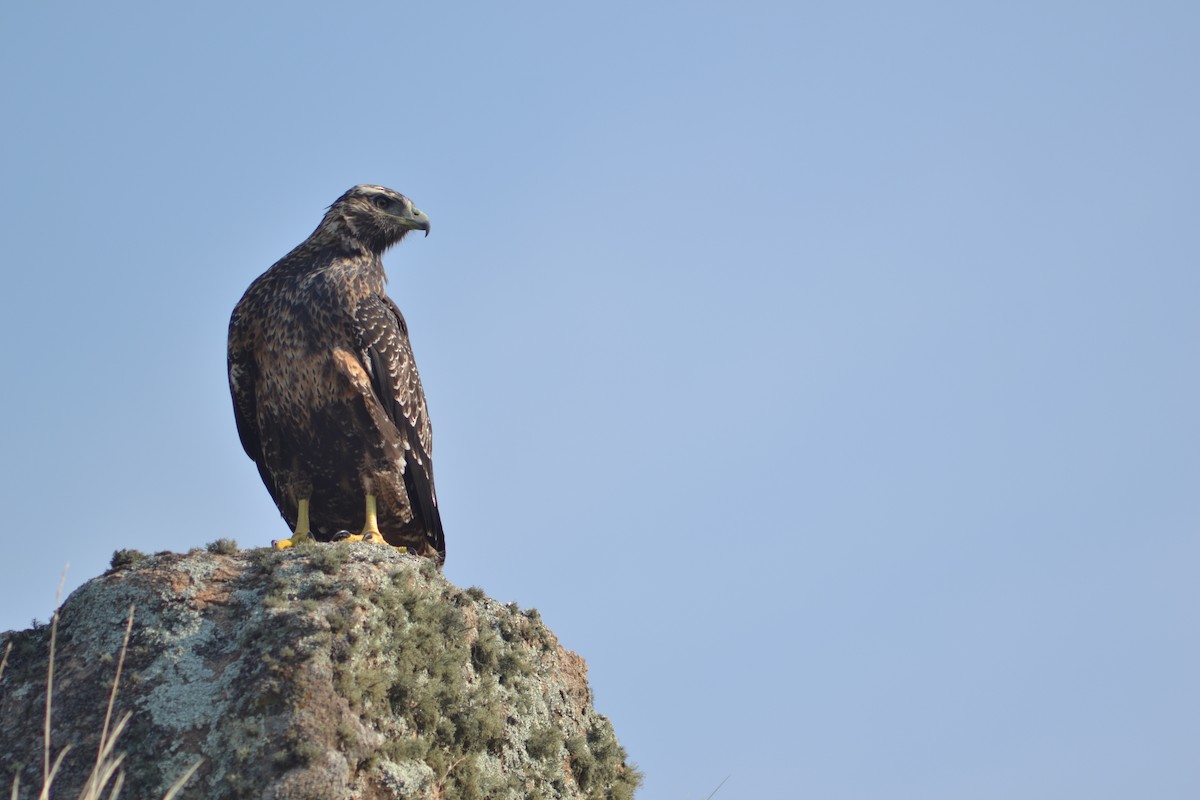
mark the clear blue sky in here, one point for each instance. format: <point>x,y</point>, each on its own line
<point>825,373</point>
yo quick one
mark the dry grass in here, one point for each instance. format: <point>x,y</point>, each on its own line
<point>106,773</point>
<point>719,785</point>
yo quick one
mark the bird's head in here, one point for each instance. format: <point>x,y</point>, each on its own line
<point>375,216</point>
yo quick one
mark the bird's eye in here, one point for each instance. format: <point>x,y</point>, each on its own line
<point>381,202</point>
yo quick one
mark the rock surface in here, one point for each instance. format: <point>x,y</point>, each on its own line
<point>339,671</point>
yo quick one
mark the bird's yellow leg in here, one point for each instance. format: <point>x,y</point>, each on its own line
<point>303,533</point>
<point>370,532</point>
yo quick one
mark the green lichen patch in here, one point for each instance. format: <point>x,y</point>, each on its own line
<point>329,558</point>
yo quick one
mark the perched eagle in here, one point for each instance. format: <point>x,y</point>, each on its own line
<point>326,394</point>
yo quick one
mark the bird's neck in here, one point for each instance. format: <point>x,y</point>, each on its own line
<point>355,235</point>
<point>334,249</point>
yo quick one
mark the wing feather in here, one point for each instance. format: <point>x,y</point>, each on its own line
<point>388,355</point>
<point>243,378</point>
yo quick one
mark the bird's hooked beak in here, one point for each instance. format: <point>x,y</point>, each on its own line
<point>418,221</point>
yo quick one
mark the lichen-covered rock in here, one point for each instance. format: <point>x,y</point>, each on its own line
<point>339,671</point>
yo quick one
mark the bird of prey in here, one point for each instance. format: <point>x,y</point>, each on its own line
<point>326,394</point>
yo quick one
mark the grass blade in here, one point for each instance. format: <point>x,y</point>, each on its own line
<point>98,781</point>
<point>117,784</point>
<point>183,779</point>
<point>94,789</point>
<point>719,785</point>
<point>50,685</point>
<point>45,793</point>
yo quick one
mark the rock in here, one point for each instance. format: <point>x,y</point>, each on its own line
<point>337,671</point>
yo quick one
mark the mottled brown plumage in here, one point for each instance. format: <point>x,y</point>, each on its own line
<point>326,394</point>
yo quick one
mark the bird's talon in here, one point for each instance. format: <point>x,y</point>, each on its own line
<point>301,540</point>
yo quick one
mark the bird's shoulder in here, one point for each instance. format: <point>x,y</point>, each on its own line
<point>311,287</point>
